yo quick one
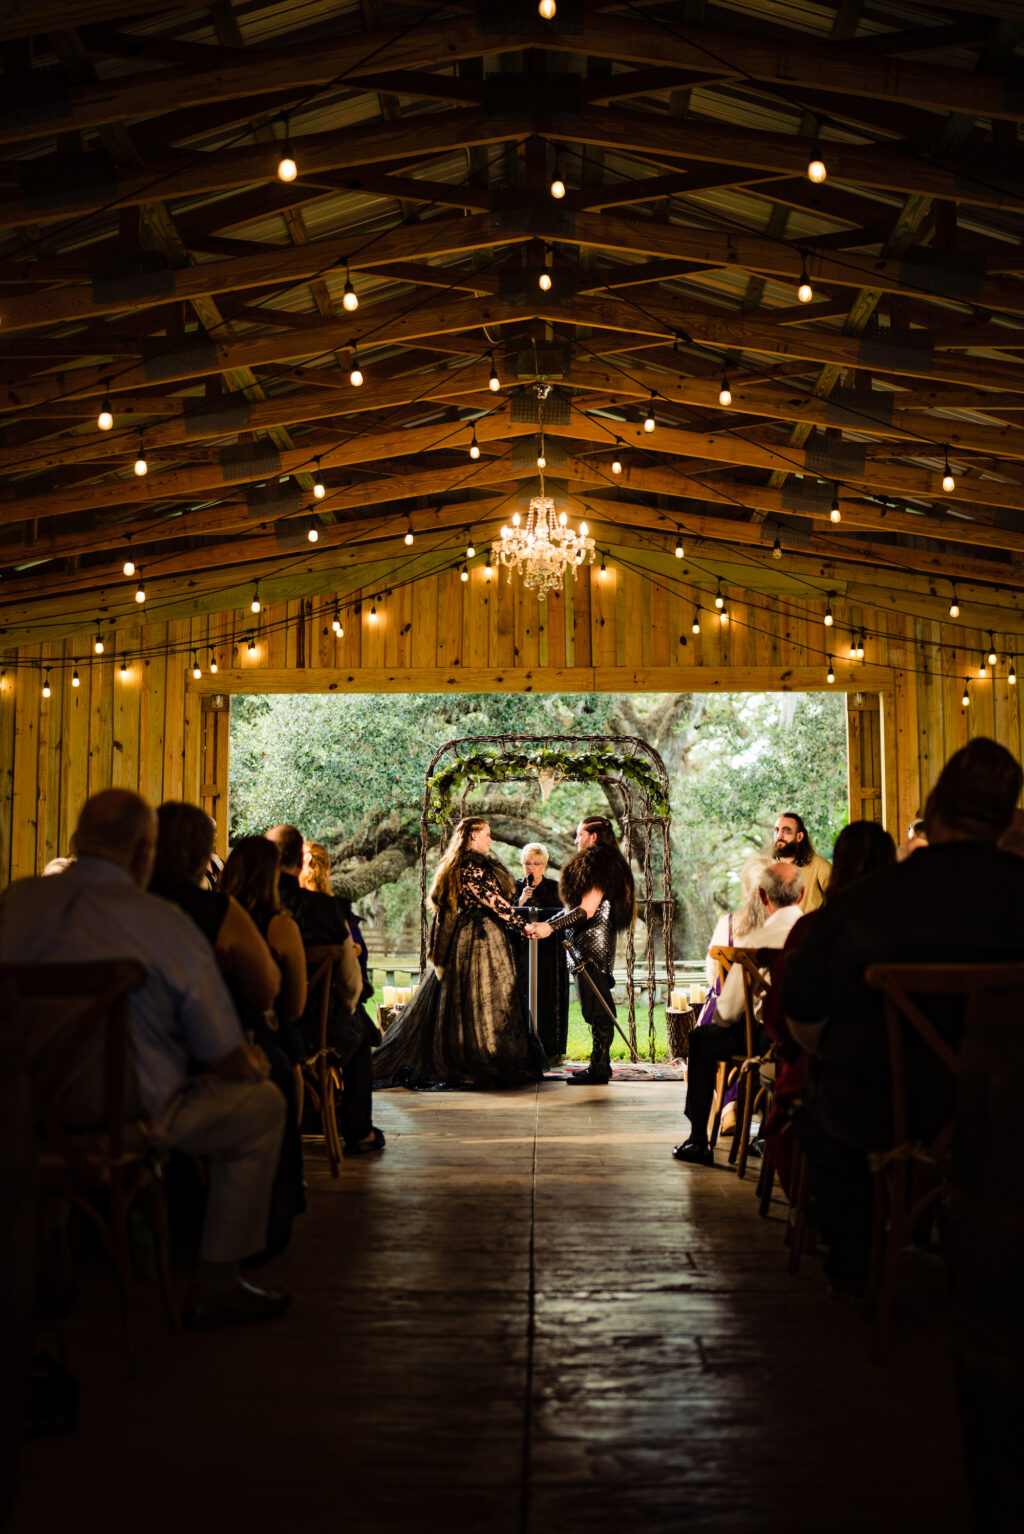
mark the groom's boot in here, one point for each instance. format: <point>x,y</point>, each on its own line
<point>599,1071</point>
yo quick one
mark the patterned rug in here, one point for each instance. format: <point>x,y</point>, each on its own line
<point>623,1070</point>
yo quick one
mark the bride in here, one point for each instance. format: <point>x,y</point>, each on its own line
<point>465,1023</point>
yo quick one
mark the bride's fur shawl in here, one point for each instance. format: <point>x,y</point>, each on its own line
<point>600,868</point>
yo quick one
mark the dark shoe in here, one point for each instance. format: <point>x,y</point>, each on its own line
<point>366,1147</point>
<point>700,1155</point>
<point>756,1149</point>
<point>589,1077</point>
<point>244,1302</point>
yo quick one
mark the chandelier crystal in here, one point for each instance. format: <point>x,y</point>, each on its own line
<point>545,547</point>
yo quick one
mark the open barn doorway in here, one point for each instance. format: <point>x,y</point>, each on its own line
<point>348,770</point>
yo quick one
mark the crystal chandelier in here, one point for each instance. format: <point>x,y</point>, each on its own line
<point>546,547</point>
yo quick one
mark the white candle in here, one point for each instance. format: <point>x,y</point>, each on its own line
<point>389,996</point>
<point>696,995</point>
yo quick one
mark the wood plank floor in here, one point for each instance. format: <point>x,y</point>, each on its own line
<point>523,1318</point>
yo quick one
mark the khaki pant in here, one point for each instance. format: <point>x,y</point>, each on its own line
<point>238,1127</point>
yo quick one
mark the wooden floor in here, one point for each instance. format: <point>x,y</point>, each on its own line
<point>524,1318</point>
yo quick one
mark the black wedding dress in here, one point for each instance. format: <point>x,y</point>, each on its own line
<point>467,1027</point>
<point>552,974</point>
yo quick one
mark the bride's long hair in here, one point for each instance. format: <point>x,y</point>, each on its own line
<point>444,892</point>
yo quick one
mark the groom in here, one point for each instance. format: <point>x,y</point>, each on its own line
<point>596,889</point>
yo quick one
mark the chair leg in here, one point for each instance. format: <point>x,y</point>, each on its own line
<point>896,1238</point>
<point>750,1095</point>
<point>717,1104</point>
<point>765,1185</point>
<point>158,1202</point>
<point>798,1213</point>
<point>328,1118</point>
<point>122,1261</point>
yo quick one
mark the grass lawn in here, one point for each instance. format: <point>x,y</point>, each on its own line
<point>579,1033</point>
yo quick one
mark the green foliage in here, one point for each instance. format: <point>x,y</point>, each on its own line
<point>448,786</point>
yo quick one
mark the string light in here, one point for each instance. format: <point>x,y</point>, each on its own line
<point>776,550</point>
<point>828,619</point>
<point>948,482</point>
<point>616,461</point>
<point>723,616</point>
<point>649,421</point>
<point>965,700</point>
<point>463,573</point>
<point>474,446</point>
<point>719,599</point>
<point>992,656</point>
<point>695,625</point>
<point>1011,676</point>
<point>372,615</point>
<point>834,513</point>
<point>124,668</point>
<point>603,572</point>
<point>487,567</point>
<point>680,551</point>
<point>954,606</point>
<point>76,680</point>
<point>853,647</point>
<point>336,621</point>
<point>493,382</point>
<point>355,378</point>
<point>254,605</point>
<point>831,671</point>
<point>140,591</point>
<point>542,462</point>
<point>196,668</point>
<point>319,488</point>
<point>105,419</point>
<point>252,645</point>
<point>141,463</point>
<point>544,282</point>
<point>558,185</point>
<point>349,296</point>
<point>313,530</point>
<point>470,548</point>
<point>981,667</point>
<point>804,292</point>
<point>97,644</point>
<point>46,684</point>
<point>725,393</point>
<point>410,537</point>
<point>128,568</point>
<point>287,170</point>
<point>860,647</point>
<point>816,168</point>
<point>214,668</point>
<point>546,9</point>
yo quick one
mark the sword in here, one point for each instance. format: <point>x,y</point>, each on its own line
<point>580,966</point>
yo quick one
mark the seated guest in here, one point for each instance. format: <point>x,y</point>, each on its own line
<point>552,1020</point>
<point>958,900</point>
<point>250,879</point>
<point>316,876</point>
<point>916,839</point>
<point>228,1112</point>
<point>323,919</point>
<point>780,887</point>
<point>792,844</point>
<point>734,926</point>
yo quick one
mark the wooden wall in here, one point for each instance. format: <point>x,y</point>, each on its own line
<point>161,732</point>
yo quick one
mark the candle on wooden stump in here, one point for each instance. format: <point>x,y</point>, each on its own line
<point>389,996</point>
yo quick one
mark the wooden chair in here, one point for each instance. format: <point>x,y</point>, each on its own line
<point>118,1155</point>
<point>322,1075</point>
<point>743,1069</point>
<point>900,1197</point>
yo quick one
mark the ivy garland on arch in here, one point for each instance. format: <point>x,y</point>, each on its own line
<point>449,786</point>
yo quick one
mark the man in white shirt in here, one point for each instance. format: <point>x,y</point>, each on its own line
<point>780,887</point>
<point>228,1111</point>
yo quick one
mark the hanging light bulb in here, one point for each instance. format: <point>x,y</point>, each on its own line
<point>776,550</point>
<point>46,684</point>
<point>981,667</point>
<point>831,671</point>
<point>804,292</point>
<point>547,9</point>
<point>128,568</point>
<point>680,551</point>
<point>725,393</point>
<point>140,591</point>
<point>828,619</point>
<point>954,606</point>
<point>196,668</point>
<point>816,168</point>
<point>319,488</point>
<point>965,700</point>
<point>463,573</point>
<point>254,605</point>
<point>948,482</point>
<point>719,599</point>
<point>603,572</point>
<point>493,382</point>
<point>853,647</point>
<point>542,462</point>
<point>695,625</point>
<point>992,656</point>
<point>723,616</point>
<point>544,282</point>
<point>287,170</point>
<point>1011,676</point>
<point>214,668</point>
<point>372,615</point>
<point>124,668</point>
<point>649,421</point>
<point>336,621</point>
<point>834,513</point>
<point>616,461</point>
<point>105,419</point>
<point>558,185</point>
<point>860,647</point>
<point>349,296</point>
<point>470,548</point>
<point>97,644</point>
<point>141,464</point>
<point>355,378</point>
<point>487,567</point>
<point>313,530</point>
<point>76,680</point>
<point>474,446</point>
<point>252,645</point>
<point>410,537</point>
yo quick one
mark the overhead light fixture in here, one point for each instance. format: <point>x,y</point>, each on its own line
<point>97,644</point>
<point>834,513</point>
<point>725,393</point>
<point>804,292</point>
<point>141,462</point>
<point>544,550</point>
<point>287,170</point>
<point>409,535</point>
<point>313,530</point>
<point>544,282</point>
<point>46,684</point>
<point>336,621</point>
<point>954,606</point>
<point>542,462</point>
<point>616,461</point>
<point>860,647</point>
<point>948,482</point>
<point>214,668</point>
<point>719,599</point>
<point>695,625</point>
<point>602,574</point>
<point>828,619</point>
<point>254,605</point>
<point>1011,676</point>
<point>487,566</point>
<point>981,667</point>
<point>124,668</point>
<point>546,9</point>
<point>831,671</point>
<point>680,551</point>
<point>140,591</point>
<point>776,550</point>
<point>463,573</point>
<point>992,656</point>
<point>723,616</point>
<point>319,488</point>
<point>470,548</point>
<point>252,645</point>
<point>474,446</point>
<point>128,568</point>
<point>816,167</point>
<point>349,296</point>
<point>493,382</point>
<point>355,378</point>
<point>105,419</point>
<point>371,616</point>
<point>965,700</point>
<point>649,421</point>
<point>196,668</point>
<point>76,680</point>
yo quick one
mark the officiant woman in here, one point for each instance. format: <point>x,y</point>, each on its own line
<point>537,890</point>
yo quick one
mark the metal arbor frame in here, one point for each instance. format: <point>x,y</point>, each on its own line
<point>642,829</point>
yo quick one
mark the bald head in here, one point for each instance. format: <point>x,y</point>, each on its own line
<point>781,884</point>
<point>121,827</point>
<point>288,841</point>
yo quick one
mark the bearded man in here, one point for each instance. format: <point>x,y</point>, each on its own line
<point>792,844</point>
<point>599,900</point>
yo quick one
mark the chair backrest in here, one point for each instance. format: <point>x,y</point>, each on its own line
<point>79,1014</point>
<point>899,985</point>
<point>754,982</point>
<point>320,962</point>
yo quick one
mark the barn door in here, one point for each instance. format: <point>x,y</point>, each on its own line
<point>864,751</point>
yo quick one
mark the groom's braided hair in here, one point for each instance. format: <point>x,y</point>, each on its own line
<point>601,867</point>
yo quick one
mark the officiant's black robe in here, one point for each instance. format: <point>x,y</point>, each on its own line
<point>552,973</point>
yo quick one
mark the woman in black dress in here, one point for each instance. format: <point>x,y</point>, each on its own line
<point>540,892</point>
<point>465,1024</point>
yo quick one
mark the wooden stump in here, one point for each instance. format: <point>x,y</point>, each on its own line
<point>386,1016</point>
<point>679,1026</point>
